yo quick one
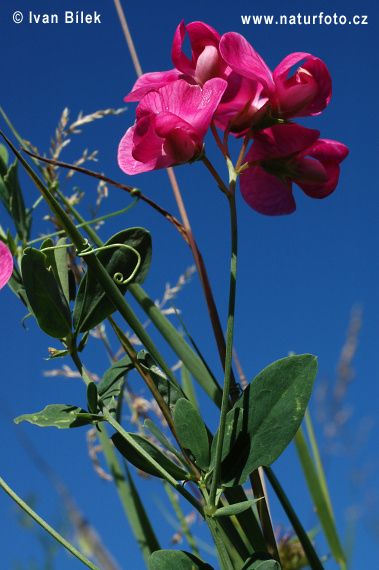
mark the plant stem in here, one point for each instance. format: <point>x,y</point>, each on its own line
<point>221,548</point>
<point>229,337</point>
<point>47,527</point>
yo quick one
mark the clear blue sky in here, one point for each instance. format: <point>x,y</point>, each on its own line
<point>299,276</point>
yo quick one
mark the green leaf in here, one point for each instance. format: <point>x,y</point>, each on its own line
<point>45,296</point>
<point>273,406</point>
<point>92,305</point>
<point>83,341</point>
<point>156,432</point>
<point>178,559</point>
<point>170,393</point>
<point>261,561</point>
<point>192,433</point>
<point>62,416</point>
<point>92,397</point>
<point>233,429</point>
<point>14,202</point>
<point>188,387</point>
<point>135,458</point>
<point>236,509</point>
<point>60,255</point>
<point>3,160</point>
<point>110,385</point>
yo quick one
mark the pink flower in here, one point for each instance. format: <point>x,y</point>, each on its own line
<point>305,93</point>
<point>284,154</point>
<point>6,264</point>
<point>206,62</point>
<point>170,126</point>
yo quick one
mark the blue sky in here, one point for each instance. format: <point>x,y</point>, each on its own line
<point>299,276</point>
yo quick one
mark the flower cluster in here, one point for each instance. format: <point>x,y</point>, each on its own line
<point>227,82</point>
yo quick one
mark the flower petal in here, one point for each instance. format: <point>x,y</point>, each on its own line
<point>325,149</point>
<point>308,170</point>
<point>179,59</point>
<point>151,82</point>
<point>181,139</point>
<point>242,58</point>
<point>266,193</point>
<point>6,264</point>
<point>151,149</point>
<point>324,189</point>
<point>317,71</point>
<point>193,104</point>
<point>281,141</point>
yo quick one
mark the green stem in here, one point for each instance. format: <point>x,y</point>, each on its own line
<point>225,404</point>
<point>47,527</point>
<point>219,543</point>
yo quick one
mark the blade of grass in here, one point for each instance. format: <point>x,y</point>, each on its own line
<point>309,551</point>
<point>320,500</point>
<point>130,499</point>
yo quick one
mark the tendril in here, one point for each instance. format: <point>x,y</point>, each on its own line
<point>117,277</point>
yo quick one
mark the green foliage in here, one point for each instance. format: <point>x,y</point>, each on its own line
<point>44,294</point>
<point>192,433</point>
<point>261,561</point>
<point>170,393</point>
<point>92,397</point>
<point>92,305</point>
<point>271,410</point>
<point>138,460</point>
<point>110,385</point>
<point>62,416</point>
<point>156,432</point>
<point>178,559</point>
<point>235,509</point>
<point>11,196</point>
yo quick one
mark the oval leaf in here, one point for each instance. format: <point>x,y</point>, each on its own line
<point>235,509</point>
<point>110,385</point>
<point>45,297</point>
<point>273,406</point>
<point>61,416</point>
<point>131,454</point>
<point>178,559</point>
<point>170,393</point>
<point>92,397</point>
<point>192,432</point>
<point>92,305</point>
<point>261,561</point>
<point>156,432</point>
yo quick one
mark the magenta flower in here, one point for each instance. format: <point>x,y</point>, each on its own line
<point>170,126</point>
<point>284,154</point>
<point>305,93</point>
<point>6,264</point>
<point>206,62</point>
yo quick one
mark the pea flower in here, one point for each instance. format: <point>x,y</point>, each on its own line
<point>241,99</point>
<point>206,62</point>
<point>305,93</point>
<point>6,264</point>
<point>170,126</point>
<point>284,154</point>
